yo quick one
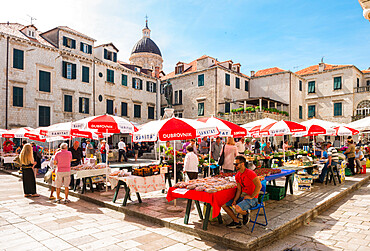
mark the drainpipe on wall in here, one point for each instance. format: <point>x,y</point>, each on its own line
<point>215,92</point>
<point>158,100</point>
<point>290,96</point>
<point>7,82</point>
<point>94,87</point>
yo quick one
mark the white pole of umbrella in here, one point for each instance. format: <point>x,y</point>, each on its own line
<point>174,164</point>
<point>209,157</point>
<point>106,162</point>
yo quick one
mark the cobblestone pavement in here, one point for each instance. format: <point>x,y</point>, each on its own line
<point>39,224</point>
<point>345,226</point>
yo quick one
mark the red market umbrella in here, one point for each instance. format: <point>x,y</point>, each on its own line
<point>283,127</point>
<point>345,130</point>
<point>173,129</point>
<point>105,124</point>
<point>225,128</point>
<point>255,127</point>
<point>16,133</point>
<point>35,135</point>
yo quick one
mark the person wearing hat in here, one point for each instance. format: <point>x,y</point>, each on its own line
<point>104,150</point>
<point>333,159</point>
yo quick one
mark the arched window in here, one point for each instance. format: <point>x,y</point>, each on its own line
<point>363,108</point>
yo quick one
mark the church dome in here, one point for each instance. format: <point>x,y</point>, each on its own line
<point>146,45</point>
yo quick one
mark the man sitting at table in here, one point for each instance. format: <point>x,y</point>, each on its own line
<point>246,196</point>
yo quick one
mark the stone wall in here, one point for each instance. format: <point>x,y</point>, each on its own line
<point>39,57</point>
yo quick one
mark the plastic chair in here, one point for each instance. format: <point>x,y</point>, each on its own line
<point>259,206</point>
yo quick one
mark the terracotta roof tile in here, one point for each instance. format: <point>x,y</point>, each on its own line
<point>315,68</point>
<point>366,71</point>
<point>14,29</point>
<point>268,71</point>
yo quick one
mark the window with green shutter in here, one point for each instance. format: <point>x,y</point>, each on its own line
<point>300,85</point>
<point>68,70</point>
<point>311,111</point>
<point>18,57</point>
<point>150,112</point>
<point>69,42</point>
<point>227,79</point>
<point>44,81</point>
<point>200,109</point>
<point>246,86</point>
<point>124,79</point>
<point>311,87</point>
<point>17,96</point>
<point>201,80</point>
<point>83,106</point>
<point>86,48</point>
<point>137,83</point>
<point>300,112</point>
<point>44,115</point>
<point>337,109</point>
<point>124,109</point>
<point>337,83</point>
<point>237,83</point>
<point>85,74</point>
<point>110,106</point>
<point>227,107</point>
<point>67,103</point>
<point>137,111</point>
<point>110,76</point>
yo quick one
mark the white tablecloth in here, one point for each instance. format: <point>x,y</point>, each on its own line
<point>8,160</point>
<point>141,184</point>
<point>89,173</point>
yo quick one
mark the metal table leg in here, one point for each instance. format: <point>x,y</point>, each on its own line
<point>138,197</point>
<point>208,212</point>
<point>187,212</point>
<point>117,190</point>
<point>199,209</point>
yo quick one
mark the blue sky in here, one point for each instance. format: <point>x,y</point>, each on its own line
<point>258,34</point>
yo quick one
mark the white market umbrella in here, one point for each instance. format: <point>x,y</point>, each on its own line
<point>361,125</point>
<point>345,131</point>
<point>173,129</point>
<point>105,124</point>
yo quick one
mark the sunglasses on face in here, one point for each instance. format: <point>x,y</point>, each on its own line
<point>235,164</point>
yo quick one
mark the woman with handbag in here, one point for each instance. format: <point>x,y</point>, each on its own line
<point>229,152</point>
<point>27,163</point>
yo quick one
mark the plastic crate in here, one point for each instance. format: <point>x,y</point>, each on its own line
<point>266,198</point>
<point>348,172</point>
<point>304,187</point>
<point>275,192</point>
<point>307,179</point>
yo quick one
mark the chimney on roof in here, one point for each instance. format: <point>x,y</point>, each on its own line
<point>321,67</point>
<point>252,73</point>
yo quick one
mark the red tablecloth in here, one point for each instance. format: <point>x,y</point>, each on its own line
<point>215,199</point>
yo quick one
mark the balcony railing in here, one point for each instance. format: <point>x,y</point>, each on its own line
<point>243,118</point>
<point>362,89</point>
<point>361,116</point>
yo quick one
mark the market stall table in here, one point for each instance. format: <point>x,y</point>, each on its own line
<point>288,180</point>
<point>137,184</point>
<point>215,200</point>
<point>87,174</point>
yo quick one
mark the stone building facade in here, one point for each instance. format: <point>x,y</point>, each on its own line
<point>338,93</point>
<point>60,75</point>
<point>205,87</point>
